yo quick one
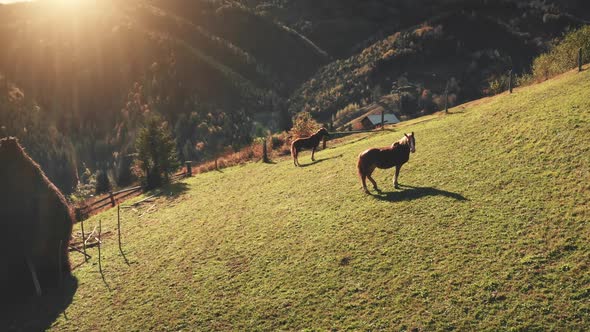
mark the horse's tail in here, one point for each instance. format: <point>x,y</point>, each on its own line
<point>360,165</point>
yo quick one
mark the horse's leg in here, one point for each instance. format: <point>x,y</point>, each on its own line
<point>295,159</point>
<point>395,183</point>
<point>312,153</point>
<point>364,181</point>
<point>294,152</point>
<point>371,170</point>
<point>374,183</point>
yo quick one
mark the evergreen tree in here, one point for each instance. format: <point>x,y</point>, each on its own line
<point>156,153</point>
<point>103,184</point>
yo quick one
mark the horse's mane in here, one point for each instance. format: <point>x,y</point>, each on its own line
<point>320,130</point>
<point>403,141</point>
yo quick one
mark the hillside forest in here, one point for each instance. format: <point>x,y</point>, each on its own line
<point>78,82</point>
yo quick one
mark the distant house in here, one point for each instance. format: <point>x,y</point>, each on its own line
<point>373,121</point>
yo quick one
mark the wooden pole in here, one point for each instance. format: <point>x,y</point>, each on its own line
<point>34,276</point>
<point>382,119</point>
<point>580,59</point>
<point>447,98</point>
<point>112,199</point>
<point>264,152</point>
<point>99,244</point>
<point>119,227</point>
<point>189,169</point>
<point>84,241</point>
<point>510,81</point>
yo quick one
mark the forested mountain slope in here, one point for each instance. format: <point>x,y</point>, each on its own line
<point>95,70</point>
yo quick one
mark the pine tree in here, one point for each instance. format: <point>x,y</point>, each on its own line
<point>103,184</point>
<point>156,153</point>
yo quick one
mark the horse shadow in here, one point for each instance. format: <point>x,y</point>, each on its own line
<point>410,193</point>
<point>37,313</point>
<point>317,161</point>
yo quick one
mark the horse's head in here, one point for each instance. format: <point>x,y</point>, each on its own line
<point>323,132</point>
<point>411,141</point>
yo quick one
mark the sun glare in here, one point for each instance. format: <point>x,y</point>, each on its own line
<point>68,5</point>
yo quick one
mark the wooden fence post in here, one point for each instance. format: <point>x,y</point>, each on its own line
<point>264,152</point>
<point>189,169</point>
<point>580,60</point>
<point>447,98</point>
<point>84,241</point>
<point>382,119</point>
<point>112,197</point>
<point>119,226</point>
<point>510,80</point>
<point>99,245</point>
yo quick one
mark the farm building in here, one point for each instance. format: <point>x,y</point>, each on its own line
<point>373,121</point>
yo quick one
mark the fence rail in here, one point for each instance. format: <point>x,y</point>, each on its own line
<point>111,199</point>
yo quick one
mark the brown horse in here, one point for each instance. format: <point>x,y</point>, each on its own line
<point>310,142</point>
<point>395,155</point>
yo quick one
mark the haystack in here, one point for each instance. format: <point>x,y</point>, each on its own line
<point>36,224</point>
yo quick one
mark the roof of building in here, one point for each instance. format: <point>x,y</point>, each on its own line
<point>388,118</point>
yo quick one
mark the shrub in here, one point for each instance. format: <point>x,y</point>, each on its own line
<point>525,79</point>
<point>563,56</point>
<point>498,85</point>
<point>304,125</point>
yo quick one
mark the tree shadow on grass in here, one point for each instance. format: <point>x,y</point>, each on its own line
<point>37,313</point>
<point>317,161</point>
<point>170,190</point>
<point>175,189</point>
<point>410,193</point>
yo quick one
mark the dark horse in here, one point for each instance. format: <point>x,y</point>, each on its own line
<point>395,155</point>
<point>310,142</point>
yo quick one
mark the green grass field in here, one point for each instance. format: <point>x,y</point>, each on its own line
<point>490,231</point>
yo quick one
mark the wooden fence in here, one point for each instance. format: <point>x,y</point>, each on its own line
<point>111,199</point>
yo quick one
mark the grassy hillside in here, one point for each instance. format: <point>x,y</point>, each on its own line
<point>490,231</point>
